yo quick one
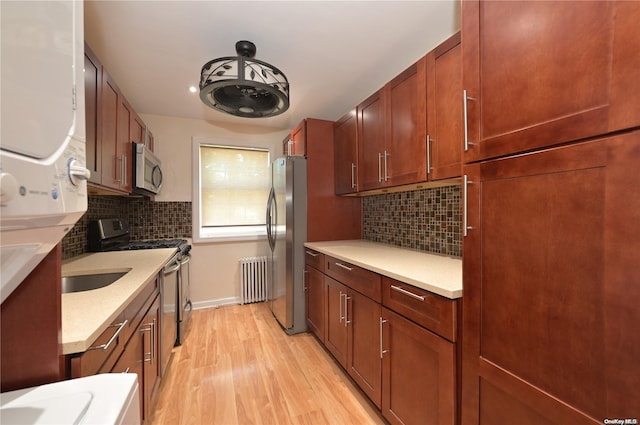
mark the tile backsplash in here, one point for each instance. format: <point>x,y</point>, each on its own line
<point>148,220</point>
<point>427,220</point>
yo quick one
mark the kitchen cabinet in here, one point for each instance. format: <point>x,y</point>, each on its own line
<point>538,74</point>
<point>346,153</point>
<point>358,307</point>
<point>295,144</point>
<point>444,110</point>
<point>30,328</point>
<point>316,297</point>
<point>131,345</point>
<point>329,217</point>
<point>392,132</point>
<point>551,287</point>
<point>336,341</point>
<point>112,124</point>
<point>419,334</point>
<point>92,93</point>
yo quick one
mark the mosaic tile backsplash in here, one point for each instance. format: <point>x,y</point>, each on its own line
<point>147,219</point>
<point>427,220</point>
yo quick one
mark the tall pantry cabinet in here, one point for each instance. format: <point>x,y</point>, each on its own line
<point>551,289</point>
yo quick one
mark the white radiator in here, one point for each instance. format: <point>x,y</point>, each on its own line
<point>253,279</point>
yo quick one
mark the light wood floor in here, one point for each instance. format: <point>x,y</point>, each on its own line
<point>237,366</point>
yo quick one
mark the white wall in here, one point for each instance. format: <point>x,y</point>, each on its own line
<point>215,272</point>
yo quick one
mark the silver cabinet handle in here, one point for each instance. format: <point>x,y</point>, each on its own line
<point>353,176</point>
<point>465,99</point>
<point>127,370</point>
<point>428,154</point>
<point>311,253</point>
<point>105,347</point>
<point>407,293</point>
<point>344,267</point>
<point>382,351</point>
<point>379,167</point>
<point>289,146</point>
<point>124,169</point>
<point>465,205</point>
<point>151,328</point>
<point>341,316</point>
<point>386,174</point>
<point>346,310</point>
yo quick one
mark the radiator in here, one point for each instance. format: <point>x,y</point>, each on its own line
<point>253,279</point>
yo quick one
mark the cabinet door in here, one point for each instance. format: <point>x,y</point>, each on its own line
<point>406,147</point>
<point>131,362</point>
<point>109,106</point>
<point>544,73</point>
<point>336,341</point>
<point>299,139</point>
<point>371,141</point>
<point>346,154</point>
<point>316,302</point>
<point>124,148</point>
<point>551,287</point>
<point>151,350</point>
<point>92,90</point>
<point>363,360</point>
<point>137,130</point>
<point>444,110</point>
<point>418,374</point>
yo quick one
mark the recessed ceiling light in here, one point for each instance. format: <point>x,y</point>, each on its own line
<point>193,89</point>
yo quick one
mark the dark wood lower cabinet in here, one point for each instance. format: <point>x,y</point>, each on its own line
<point>337,336</point>
<point>362,316</point>
<point>316,302</point>
<point>552,286</point>
<point>418,373</point>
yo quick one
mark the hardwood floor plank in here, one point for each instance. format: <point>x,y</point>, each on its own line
<point>237,366</point>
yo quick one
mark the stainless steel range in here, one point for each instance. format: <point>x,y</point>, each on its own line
<point>113,235</point>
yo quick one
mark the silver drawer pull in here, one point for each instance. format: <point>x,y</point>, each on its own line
<point>105,347</point>
<point>344,267</point>
<point>311,253</point>
<point>405,292</point>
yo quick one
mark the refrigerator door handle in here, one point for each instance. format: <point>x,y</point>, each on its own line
<point>269,218</point>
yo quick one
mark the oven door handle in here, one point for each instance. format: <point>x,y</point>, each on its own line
<point>185,259</point>
<point>168,270</point>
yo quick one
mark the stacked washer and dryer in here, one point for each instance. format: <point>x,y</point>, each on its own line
<point>43,189</point>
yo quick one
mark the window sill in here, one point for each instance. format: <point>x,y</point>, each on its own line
<point>230,234</point>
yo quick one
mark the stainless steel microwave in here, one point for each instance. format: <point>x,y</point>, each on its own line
<point>148,171</point>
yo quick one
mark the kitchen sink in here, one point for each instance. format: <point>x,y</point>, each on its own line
<point>88,282</point>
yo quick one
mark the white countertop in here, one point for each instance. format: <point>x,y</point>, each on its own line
<point>436,273</point>
<point>85,315</point>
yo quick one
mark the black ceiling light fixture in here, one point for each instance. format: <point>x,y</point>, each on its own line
<point>244,87</point>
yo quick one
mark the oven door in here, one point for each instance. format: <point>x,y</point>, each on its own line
<point>169,296</point>
<point>184,298</point>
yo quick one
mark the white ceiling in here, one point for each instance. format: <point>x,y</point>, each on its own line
<point>334,53</point>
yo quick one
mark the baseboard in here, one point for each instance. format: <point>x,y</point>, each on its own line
<point>215,303</point>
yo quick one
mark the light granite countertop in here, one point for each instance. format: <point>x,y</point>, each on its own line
<point>436,273</point>
<point>85,315</point>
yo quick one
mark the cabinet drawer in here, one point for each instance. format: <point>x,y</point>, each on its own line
<point>432,311</point>
<point>136,308</point>
<point>364,281</point>
<point>103,352</point>
<point>314,259</point>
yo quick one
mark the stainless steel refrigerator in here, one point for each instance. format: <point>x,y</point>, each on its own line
<point>287,232</point>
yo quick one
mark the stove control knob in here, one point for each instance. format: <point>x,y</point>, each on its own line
<point>8,187</point>
<point>77,172</point>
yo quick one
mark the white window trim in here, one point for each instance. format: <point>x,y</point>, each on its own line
<point>220,234</point>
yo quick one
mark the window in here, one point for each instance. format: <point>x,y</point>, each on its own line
<point>231,188</point>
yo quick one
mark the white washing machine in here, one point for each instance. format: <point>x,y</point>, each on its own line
<point>105,399</point>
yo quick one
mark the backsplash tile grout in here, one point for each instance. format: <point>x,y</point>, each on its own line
<point>428,220</point>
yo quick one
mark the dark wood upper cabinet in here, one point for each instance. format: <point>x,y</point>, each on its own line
<point>92,99</point>
<point>551,288</point>
<point>371,141</point>
<point>542,73</point>
<point>295,144</point>
<point>346,150</point>
<point>444,110</point>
